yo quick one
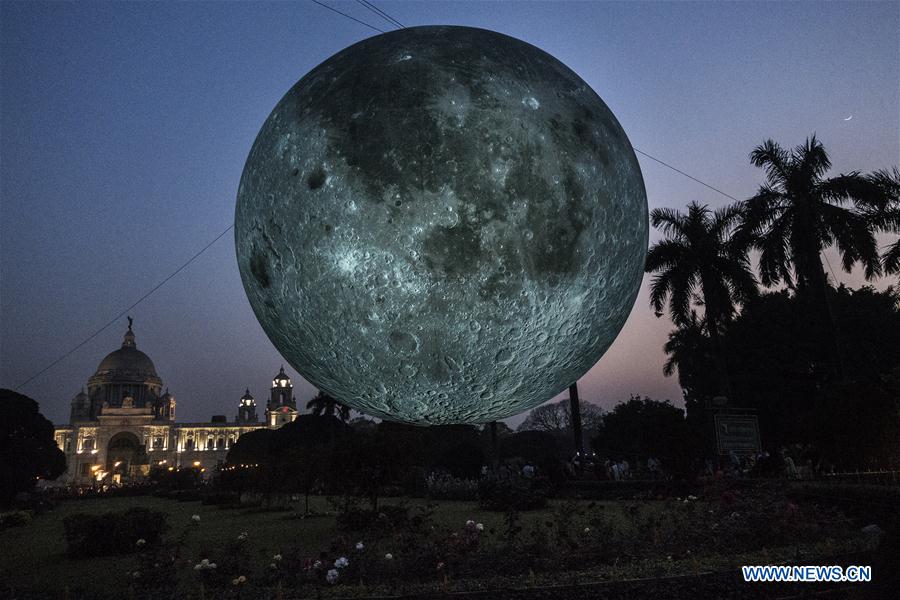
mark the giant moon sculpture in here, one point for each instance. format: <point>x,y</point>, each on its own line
<point>441,225</point>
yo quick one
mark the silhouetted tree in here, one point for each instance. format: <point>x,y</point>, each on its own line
<point>492,433</point>
<point>700,259</point>
<point>544,449</point>
<point>798,213</point>
<point>784,374</point>
<point>883,212</point>
<point>641,428</point>
<point>362,423</point>
<point>690,353</point>
<point>557,418</point>
<point>296,457</point>
<point>27,446</point>
<point>324,405</point>
<point>891,259</point>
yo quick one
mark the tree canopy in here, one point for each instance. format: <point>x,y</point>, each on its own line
<point>641,427</point>
<point>27,446</point>
<point>784,370</point>
<point>557,418</point>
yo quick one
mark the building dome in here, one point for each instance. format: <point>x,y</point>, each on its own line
<point>126,364</point>
<point>281,379</point>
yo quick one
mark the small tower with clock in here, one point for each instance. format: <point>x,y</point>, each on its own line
<point>282,406</point>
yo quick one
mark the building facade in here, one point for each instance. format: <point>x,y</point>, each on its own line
<point>122,424</point>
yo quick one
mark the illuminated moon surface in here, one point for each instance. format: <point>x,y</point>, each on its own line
<point>441,225</point>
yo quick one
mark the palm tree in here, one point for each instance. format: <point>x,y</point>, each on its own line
<point>683,346</point>
<point>891,259</point>
<point>700,262</point>
<point>689,353</point>
<point>883,212</point>
<point>798,213</point>
<point>323,404</point>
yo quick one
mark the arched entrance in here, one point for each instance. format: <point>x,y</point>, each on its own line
<point>124,456</point>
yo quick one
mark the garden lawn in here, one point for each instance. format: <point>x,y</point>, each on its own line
<point>33,557</point>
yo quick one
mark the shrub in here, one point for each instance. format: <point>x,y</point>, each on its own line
<point>113,532</point>
<point>220,498</point>
<point>16,518</point>
<point>513,493</point>
<point>358,519</point>
<point>441,486</point>
<point>413,482</point>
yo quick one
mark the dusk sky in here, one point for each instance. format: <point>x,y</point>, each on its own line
<point>125,127</point>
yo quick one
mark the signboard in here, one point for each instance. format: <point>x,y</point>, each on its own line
<point>738,433</point>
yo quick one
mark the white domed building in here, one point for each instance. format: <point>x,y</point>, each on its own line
<point>123,423</point>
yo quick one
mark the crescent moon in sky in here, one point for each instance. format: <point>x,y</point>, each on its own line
<point>848,118</point>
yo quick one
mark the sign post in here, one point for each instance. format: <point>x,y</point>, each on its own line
<point>738,433</point>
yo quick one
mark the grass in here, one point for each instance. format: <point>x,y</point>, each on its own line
<point>33,557</point>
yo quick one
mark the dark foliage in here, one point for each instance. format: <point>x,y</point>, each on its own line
<point>186,478</point>
<point>784,374</point>
<point>324,405</point>
<point>701,263</point>
<point>357,519</point>
<point>15,518</point>
<point>513,492</point>
<point>544,450</point>
<point>297,457</point>
<point>643,428</point>
<point>456,449</point>
<point>798,213</point>
<point>113,532</point>
<point>556,417</point>
<point>26,445</point>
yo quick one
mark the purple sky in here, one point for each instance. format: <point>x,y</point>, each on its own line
<point>125,127</point>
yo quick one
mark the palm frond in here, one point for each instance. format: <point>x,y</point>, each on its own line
<point>660,287</point>
<point>812,158</point>
<point>774,159</point>
<point>891,259</point>
<point>669,221</point>
<point>853,237</point>
<point>775,254</point>
<point>665,254</point>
